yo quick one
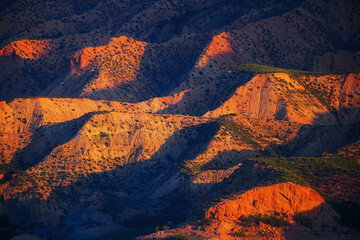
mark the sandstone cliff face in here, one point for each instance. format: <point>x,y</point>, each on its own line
<point>28,49</point>
<point>284,200</point>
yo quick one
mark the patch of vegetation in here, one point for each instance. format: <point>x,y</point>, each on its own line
<point>267,219</point>
<point>239,132</point>
<point>178,237</point>
<point>257,68</point>
<point>190,168</point>
<point>22,180</point>
<point>104,135</point>
<point>239,234</point>
<point>303,219</point>
<point>316,93</point>
<point>207,221</point>
<point>7,168</point>
<point>310,171</point>
<point>16,175</point>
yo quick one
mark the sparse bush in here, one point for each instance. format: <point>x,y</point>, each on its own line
<point>240,132</point>
<point>178,237</point>
<point>267,219</point>
<point>207,221</point>
<point>239,234</point>
<point>104,135</point>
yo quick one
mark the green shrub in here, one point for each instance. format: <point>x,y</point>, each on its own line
<point>267,219</point>
<point>240,132</point>
<point>207,221</point>
<point>178,237</point>
<point>257,68</point>
<point>239,234</point>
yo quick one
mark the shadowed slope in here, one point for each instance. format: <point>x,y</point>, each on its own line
<point>47,138</point>
<point>225,40</point>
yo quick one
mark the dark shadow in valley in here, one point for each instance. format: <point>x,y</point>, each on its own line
<point>93,17</point>
<point>141,195</point>
<point>45,139</point>
<point>208,97</point>
<point>228,159</point>
<point>172,50</point>
<point>247,176</point>
<point>26,77</point>
<point>310,224</point>
<point>128,196</point>
<point>340,116</point>
<point>209,18</point>
<point>315,140</point>
<point>162,67</point>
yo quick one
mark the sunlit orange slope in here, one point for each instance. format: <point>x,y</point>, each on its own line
<point>95,70</point>
<point>27,49</point>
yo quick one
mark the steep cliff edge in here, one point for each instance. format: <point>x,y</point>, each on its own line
<point>273,212</point>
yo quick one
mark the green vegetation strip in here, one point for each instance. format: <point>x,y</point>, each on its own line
<point>178,237</point>
<point>257,68</point>
<point>267,219</point>
<point>300,76</point>
<point>240,132</point>
<point>181,236</point>
<point>311,171</point>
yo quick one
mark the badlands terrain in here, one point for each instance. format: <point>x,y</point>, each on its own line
<point>176,119</point>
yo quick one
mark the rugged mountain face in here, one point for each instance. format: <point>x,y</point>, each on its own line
<point>175,45</point>
<point>127,165</point>
<point>120,116</point>
<point>234,219</point>
<point>277,96</point>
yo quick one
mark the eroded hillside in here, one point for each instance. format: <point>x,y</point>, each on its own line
<point>165,47</point>
<point>126,164</point>
<point>122,119</point>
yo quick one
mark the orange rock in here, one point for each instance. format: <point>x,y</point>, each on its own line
<point>285,198</point>
<point>28,49</point>
<point>220,47</point>
<point>100,70</point>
